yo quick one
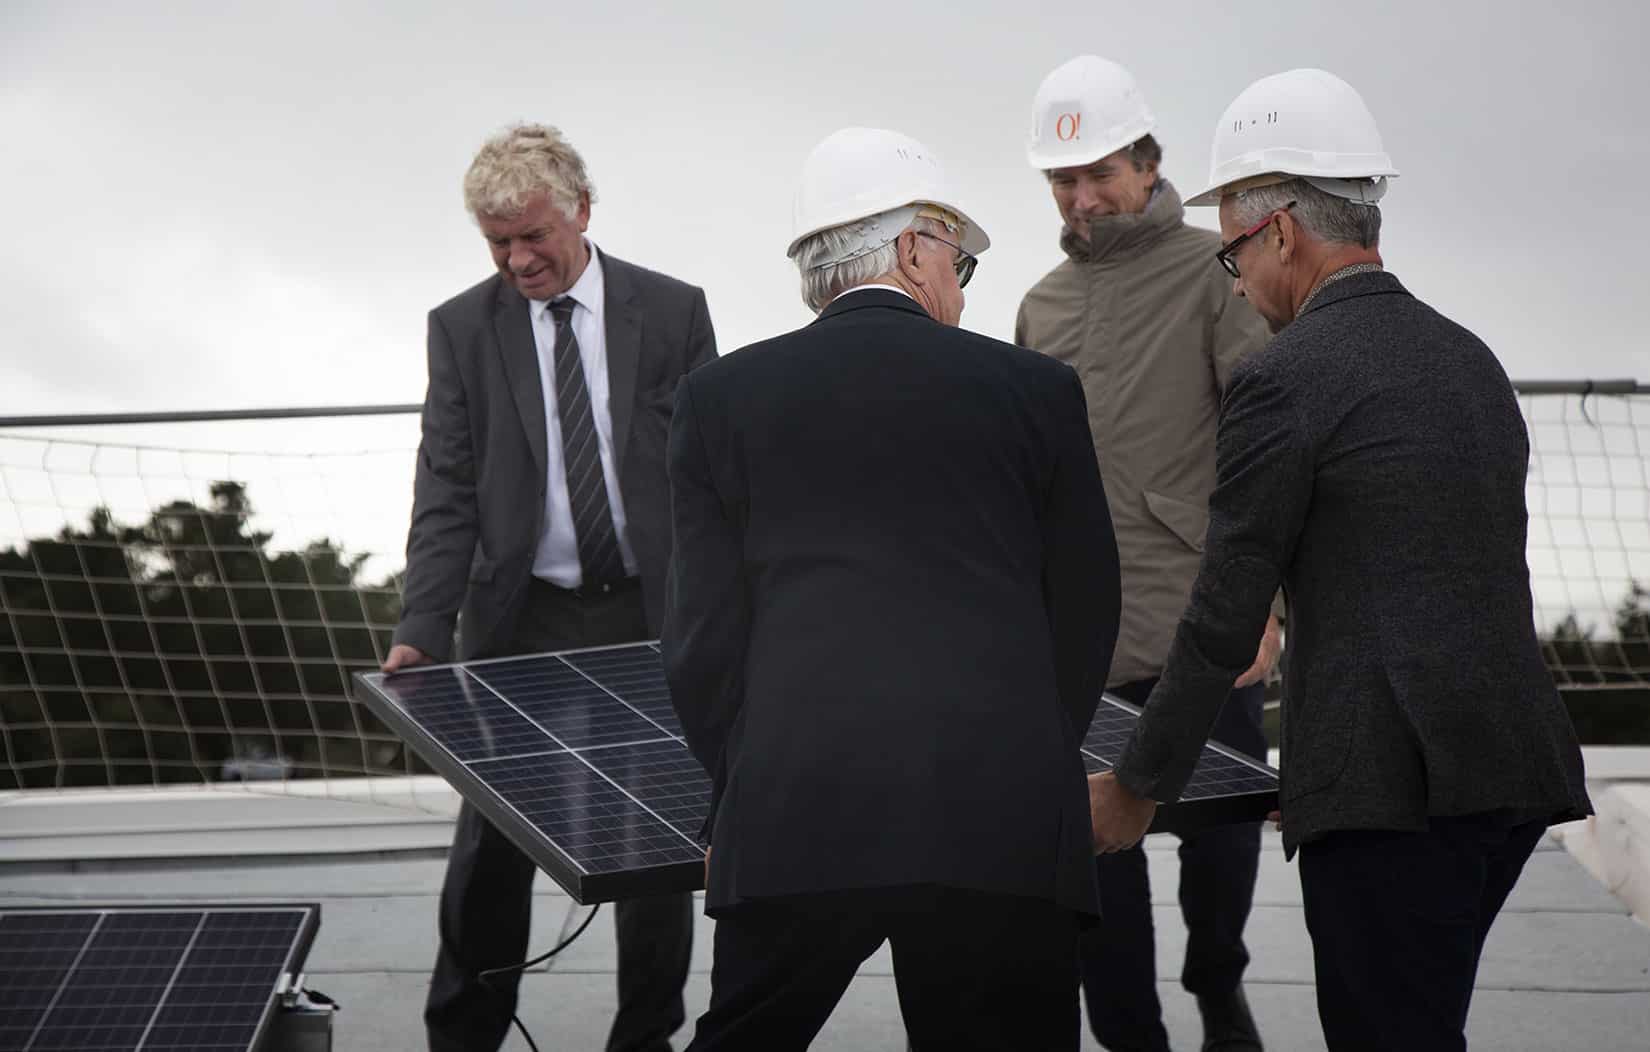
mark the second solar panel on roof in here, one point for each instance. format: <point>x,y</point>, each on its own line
<point>119,978</point>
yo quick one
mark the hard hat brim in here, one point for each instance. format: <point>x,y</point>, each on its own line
<point>974,240</point>
<point>1213,194</point>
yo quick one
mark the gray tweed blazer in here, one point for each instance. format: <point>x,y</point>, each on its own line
<point>1372,459</point>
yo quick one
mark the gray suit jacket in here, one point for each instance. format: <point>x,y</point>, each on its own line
<point>478,495</point>
<point>1372,459</point>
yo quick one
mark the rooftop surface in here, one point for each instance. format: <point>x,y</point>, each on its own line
<point>1567,965</point>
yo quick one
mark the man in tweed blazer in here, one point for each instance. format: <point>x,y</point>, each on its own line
<point>1372,460</point>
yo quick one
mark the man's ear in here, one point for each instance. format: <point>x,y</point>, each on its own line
<point>1288,236</point>
<point>905,248</point>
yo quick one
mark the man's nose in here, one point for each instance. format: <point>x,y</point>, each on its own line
<point>1237,287</point>
<point>519,258</point>
<point>1087,198</point>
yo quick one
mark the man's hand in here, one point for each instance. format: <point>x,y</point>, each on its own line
<point>707,867</point>
<point>1119,818</point>
<point>1266,658</point>
<point>403,656</point>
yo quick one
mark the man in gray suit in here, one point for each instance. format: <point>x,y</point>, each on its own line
<point>541,521</point>
<point>1372,458</point>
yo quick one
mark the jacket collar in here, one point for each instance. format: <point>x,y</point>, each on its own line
<point>622,312</point>
<point>1376,284</point>
<point>1117,237</point>
<point>871,298</point>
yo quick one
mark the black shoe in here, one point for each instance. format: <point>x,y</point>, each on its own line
<point>1227,1024</point>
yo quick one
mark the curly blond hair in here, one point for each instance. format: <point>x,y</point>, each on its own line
<point>523,160</point>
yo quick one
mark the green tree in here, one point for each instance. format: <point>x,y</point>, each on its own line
<point>160,652</point>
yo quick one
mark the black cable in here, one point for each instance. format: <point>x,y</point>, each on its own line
<point>485,977</point>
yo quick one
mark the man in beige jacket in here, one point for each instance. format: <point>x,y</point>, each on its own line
<point>1144,313</point>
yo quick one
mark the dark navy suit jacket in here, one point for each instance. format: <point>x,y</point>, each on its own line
<point>891,609</point>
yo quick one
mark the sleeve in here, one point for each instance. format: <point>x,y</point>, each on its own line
<point>1264,474</point>
<point>1081,587</point>
<point>707,620</point>
<point>1239,331</point>
<point>442,537</point>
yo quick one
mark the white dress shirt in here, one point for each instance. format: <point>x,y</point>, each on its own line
<point>557,557</point>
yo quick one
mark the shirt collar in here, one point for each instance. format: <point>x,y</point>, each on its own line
<point>588,292</point>
<point>1329,279</point>
<point>876,285</point>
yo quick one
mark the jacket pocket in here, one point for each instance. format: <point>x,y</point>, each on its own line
<point>1317,740</point>
<point>1185,520</point>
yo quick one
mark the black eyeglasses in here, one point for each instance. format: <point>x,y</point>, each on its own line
<point>1229,250</point>
<point>964,264</point>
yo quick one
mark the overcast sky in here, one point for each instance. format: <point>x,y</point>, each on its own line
<point>230,204</point>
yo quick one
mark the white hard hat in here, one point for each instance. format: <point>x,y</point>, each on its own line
<point>1087,109</point>
<point>863,173</point>
<point>1305,123</point>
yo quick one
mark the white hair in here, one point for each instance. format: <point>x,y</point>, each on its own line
<point>1325,216</point>
<point>521,161</point>
<point>824,280</point>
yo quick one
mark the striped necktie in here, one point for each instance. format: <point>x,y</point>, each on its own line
<point>599,556</point>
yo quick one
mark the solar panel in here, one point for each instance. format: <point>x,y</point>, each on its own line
<point>1226,785</point>
<point>197,978</point>
<point>577,756</point>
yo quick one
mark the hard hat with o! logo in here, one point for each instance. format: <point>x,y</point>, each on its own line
<point>1087,109</point>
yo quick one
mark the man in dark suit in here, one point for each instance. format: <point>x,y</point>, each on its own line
<point>540,513</point>
<point>891,610</point>
<point>1372,459</point>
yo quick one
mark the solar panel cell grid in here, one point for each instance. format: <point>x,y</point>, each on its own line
<point>111,995</point>
<point>635,674</point>
<point>116,979</point>
<point>577,713</point>
<point>591,820</point>
<point>36,953</point>
<point>666,776</point>
<point>219,993</point>
<point>462,715</point>
<point>1216,774</point>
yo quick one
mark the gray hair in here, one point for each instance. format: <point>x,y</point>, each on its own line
<point>823,280</point>
<point>523,160</point>
<point>1325,216</point>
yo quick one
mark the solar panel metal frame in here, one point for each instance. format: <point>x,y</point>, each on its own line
<point>1187,815</point>
<point>291,966</point>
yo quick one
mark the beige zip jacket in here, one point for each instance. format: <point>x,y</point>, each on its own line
<point>1146,316</point>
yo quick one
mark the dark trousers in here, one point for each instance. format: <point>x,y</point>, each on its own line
<point>972,970</point>
<point>1217,888</point>
<point>1398,922</point>
<point>487,897</point>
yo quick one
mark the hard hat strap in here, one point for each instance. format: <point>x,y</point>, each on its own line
<point>873,232</point>
<point>1367,191</point>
